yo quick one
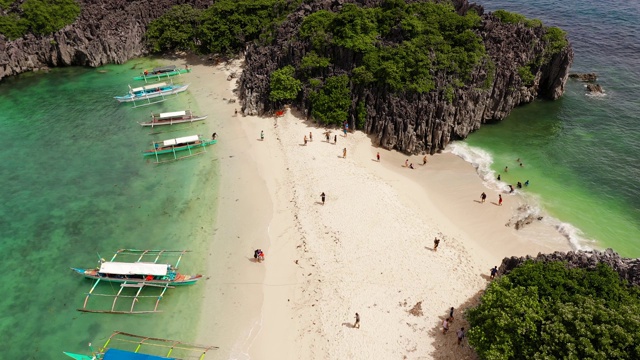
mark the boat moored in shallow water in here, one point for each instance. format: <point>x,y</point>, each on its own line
<point>162,72</point>
<point>174,146</point>
<point>153,93</point>
<point>170,118</point>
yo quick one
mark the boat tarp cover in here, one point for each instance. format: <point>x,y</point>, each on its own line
<point>115,354</point>
<point>188,139</point>
<point>135,268</point>
<point>158,85</point>
<point>164,69</point>
<point>172,114</point>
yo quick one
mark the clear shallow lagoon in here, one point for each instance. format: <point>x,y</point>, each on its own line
<point>75,185</point>
<point>581,153</point>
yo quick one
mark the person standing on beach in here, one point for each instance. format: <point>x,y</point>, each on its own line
<point>356,325</point>
<point>451,314</point>
<point>378,156</point>
<point>305,139</point>
<point>494,271</point>
<point>483,197</point>
<point>261,135</point>
<point>499,199</point>
<point>344,153</point>
<point>406,163</point>
<point>310,136</point>
<point>335,139</point>
<point>424,160</point>
<point>436,242</point>
<point>445,326</point>
<point>322,197</point>
<point>327,136</point>
<point>460,335</point>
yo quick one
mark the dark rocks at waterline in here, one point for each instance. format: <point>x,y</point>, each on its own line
<point>587,77</point>
<point>595,88</point>
<point>107,31</point>
<point>411,122</point>
<point>628,269</point>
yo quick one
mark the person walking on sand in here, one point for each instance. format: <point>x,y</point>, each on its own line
<point>424,160</point>
<point>261,135</point>
<point>494,271</point>
<point>322,197</point>
<point>305,139</point>
<point>406,163</point>
<point>378,156</point>
<point>460,335</point>
<point>335,139</point>
<point>499,199</point>
<point>451,315</point>
<point>327,136</point>
<point>436,242</point>
<point>445,326</point>
<point>344,153</point>
<point>483,197</point>
<point>356,325</point>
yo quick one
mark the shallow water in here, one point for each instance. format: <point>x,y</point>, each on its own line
<point>76,188</point>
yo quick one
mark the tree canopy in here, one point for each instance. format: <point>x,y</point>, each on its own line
<point>39,17</point>
<point>548,311</point>
<point>331,103</point>
<point>283,85</point>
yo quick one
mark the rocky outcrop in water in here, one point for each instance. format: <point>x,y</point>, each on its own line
<point>587,77</point>
<point>411,122</point>
<point>107,31</point>
<point>628,269</point>
<point>595,88</point>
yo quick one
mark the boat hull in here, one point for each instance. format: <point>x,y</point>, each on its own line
<point>173,121</point>
<point>162,75</point>
<point>180,278</point>
<point>177,148</point>
<point>172,90</point>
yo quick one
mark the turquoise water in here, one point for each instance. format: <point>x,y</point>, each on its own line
<point>76,187</point>
<point>581,153</point>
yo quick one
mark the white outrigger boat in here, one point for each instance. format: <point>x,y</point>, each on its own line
<point>170,118</point>
<point>149,269</point>
<point>153,93</point>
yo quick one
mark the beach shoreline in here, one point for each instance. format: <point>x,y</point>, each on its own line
<point>368,249</point>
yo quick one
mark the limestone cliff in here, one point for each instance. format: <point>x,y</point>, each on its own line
<point>427,122</point>
<point>107,31</point>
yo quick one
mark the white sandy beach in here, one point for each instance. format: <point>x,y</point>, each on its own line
<point>368,249</point>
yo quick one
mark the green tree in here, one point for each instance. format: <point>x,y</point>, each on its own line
<point>548,311</point>
<point>48,16</point>
<point>283,85</point>
<point>175,30</point>
<point>330,105</point>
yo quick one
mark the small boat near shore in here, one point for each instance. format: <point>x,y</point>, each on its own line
<point>162,72</point>
<point>154,93</point>
<point>125,346</point>
<point>170,118</point>
<point>146,269</point>
<point>173,146</point>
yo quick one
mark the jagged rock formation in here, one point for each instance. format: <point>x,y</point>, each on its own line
<point>588,77</point>
<point>107,31</point>
<point>595,88</point>
<point>628,269</point>
<point>419,123</point>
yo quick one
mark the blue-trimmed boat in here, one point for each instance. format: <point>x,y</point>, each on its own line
<point>162,72</point>
<point>158,92</point>
<point>173,146</point>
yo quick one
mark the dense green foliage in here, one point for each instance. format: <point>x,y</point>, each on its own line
<point>556,40</point>
<point>547,311</point>
<point>283,85</point>
<point>401,45</point>
<point>313,61</point>
<point>331,103</point>
<point>526,75</point>
<point>224,28</point>
<point>513,18</point>
<point>39,17</point>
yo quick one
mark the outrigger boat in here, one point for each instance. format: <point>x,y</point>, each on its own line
<point>147,270</point>
<point>172,146</point>
<point>149,92</point>
<point>170,118</point>
<point>124,346</point>
<point>162,72</point>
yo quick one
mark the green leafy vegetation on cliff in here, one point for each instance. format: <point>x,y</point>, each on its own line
<point>401,45</point>
<point>224,28</point>
<point>39,17</point>
<point>330,104</point>
<point>547,311</point>
<point>283,85</point>
<point>513,18</point>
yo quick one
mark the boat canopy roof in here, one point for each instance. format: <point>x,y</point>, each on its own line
<point>136,268</point>
<point>172,114</point>
<point>164,68</point>
<point>116,354</point>
<point>149,87</point>
<point>182,140</point>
